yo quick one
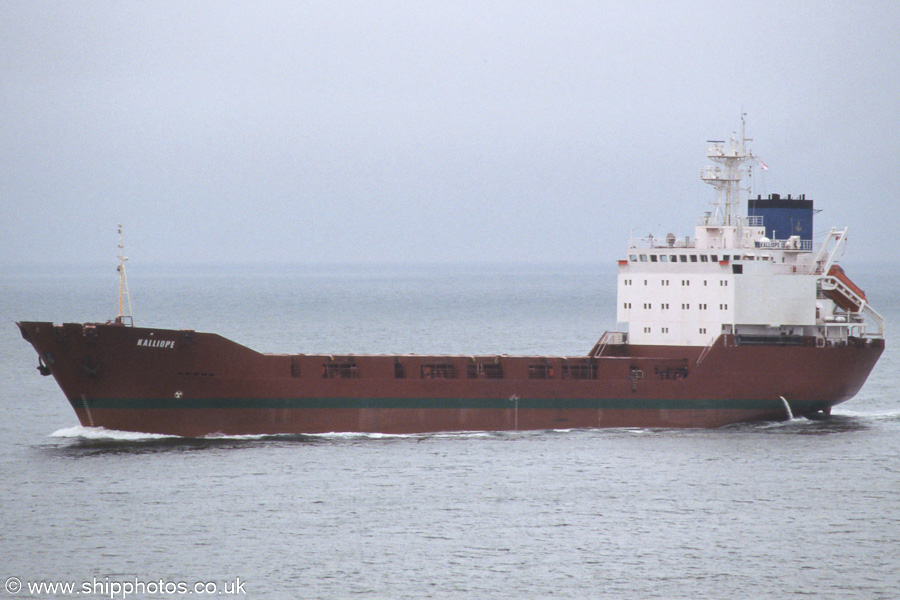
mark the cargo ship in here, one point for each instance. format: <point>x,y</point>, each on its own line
<point>748,320</point>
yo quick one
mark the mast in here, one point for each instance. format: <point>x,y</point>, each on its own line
<point>732,160</point>
<point>123,282</point>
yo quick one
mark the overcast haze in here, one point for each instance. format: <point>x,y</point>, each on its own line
<point>429,131</point>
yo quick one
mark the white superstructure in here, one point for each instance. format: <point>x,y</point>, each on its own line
<point>730,278</point>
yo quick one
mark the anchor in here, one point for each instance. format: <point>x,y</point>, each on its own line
<point>42,368</point>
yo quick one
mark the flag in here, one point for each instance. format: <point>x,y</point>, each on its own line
<point>763,166</point>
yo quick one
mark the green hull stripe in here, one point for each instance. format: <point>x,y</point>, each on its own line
<point>427,403</point>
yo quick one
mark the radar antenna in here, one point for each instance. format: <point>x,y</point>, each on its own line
<point>732,158</point>
<point>123,318</point>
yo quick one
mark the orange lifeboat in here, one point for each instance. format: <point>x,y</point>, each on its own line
<point>846,301</point>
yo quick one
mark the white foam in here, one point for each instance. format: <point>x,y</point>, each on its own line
<point>414,436</point>
<point>101,433</point>
<point>351,435</point>
<point>255,436</point>
<point>891,414</point>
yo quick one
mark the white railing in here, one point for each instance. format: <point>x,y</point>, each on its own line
<point>834,284</point>
<point>711,220</point>
<point>616,338</point>
<point>804,245</point>
<point>651,242</point>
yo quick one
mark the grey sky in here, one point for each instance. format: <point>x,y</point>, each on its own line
<point>429,131</point>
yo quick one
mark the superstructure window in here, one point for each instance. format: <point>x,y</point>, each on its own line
<point>633,258</point>
<point>704,258</point>
<point>683,258</point>
<point>715,258</point>
<point>653,258</point>
<point>399,371</point>
<point>643,258</point>
<point>693,258</point>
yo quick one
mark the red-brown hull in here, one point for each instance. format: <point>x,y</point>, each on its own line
<point>195,384</point>
<point>234,422</point>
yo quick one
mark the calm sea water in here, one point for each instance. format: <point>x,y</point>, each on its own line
<point>800,509</point>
